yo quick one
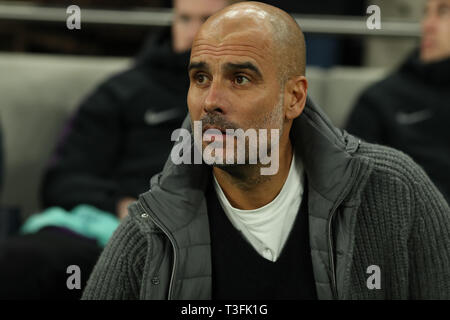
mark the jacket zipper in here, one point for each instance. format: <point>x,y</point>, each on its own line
<point>331,254</point>
<point>330,251</point>
<point>172,242</point>
<point>331,246</point>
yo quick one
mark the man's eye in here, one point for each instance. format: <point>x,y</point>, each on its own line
<point>184,18</point>
<point>241,80</point>
<point>443,10</point>
<point>201,79</point>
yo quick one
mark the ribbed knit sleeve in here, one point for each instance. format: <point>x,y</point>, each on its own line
<point>403,227</point>
<point>430,244</point>
<point>118,272</point>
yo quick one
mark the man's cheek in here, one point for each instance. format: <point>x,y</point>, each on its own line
<point>191,106</point>
<point>196,112</point>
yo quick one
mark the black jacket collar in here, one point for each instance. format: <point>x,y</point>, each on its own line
<point>434,73</point>
<point>158,59</point>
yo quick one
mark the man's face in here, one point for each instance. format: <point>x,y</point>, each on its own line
<point>189,15</point>
<point>436,31</point>
<point>234,81</point>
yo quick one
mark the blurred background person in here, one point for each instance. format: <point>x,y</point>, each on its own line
<point>116,141</point>
<point>328,50</point>
<point>410,109</point>
<point>118,138</point>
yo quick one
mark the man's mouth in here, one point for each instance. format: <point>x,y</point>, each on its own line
<point>209,136</point>
<point>427,43</point>
<point>208,127</point>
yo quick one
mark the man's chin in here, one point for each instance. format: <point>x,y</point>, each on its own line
<point>232,169</point>
<point>225,167</point>
<point>432,56</point>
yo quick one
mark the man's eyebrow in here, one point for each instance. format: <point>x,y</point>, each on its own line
<point>244,65</point>
<point>198,65</point>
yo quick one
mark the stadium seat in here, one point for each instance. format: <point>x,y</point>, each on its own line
<point>37,94</point>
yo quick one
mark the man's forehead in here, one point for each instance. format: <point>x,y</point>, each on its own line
<point>235,28</point>
<point>251,42</point>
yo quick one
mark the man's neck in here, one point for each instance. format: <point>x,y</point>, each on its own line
<point>245,187</point>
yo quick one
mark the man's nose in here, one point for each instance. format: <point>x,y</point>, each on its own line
<point>428,24</point>
<point>214,101</point>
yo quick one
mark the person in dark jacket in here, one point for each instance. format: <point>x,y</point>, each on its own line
<point>410,109</point>
<point>339,218</point>
<point>115,142</point>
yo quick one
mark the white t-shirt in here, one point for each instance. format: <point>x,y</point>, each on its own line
<point>267,228</point>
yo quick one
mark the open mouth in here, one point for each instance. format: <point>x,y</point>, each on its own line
<point>211,137</point>
<point>427,43</point>
<point>223,131</point>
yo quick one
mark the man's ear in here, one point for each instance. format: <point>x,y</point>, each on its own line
<point>296,92</point>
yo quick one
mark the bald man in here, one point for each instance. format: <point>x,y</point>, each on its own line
<point>337,219</point>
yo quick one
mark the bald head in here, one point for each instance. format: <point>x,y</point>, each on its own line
<point>280,33</point>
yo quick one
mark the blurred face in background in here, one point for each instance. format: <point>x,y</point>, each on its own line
<point>436,31</point>
<point>189,15</point>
